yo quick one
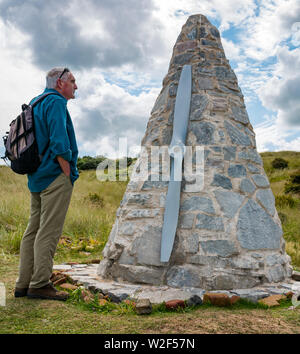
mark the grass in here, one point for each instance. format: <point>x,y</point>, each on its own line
<point>88,223</point>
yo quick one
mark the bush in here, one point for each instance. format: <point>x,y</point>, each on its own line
<point>293,185</point>
<point>279,163</point>
<point>285,201</point>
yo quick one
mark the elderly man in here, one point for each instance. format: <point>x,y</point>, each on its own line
<point>50,186</point>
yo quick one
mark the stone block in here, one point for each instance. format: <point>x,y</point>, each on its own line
<point>247,186</point>
<point>198,203</point>
<point>183,276</point>
<point>147,246</point>
<point>204,132</point>
<point>209,222</point>
<point>222,248</point>
<point>229,152</point>
<point>260,181</point>
<point>237,171</point>
<point>143,307</point>
<point>229,202</point>
<point>221,181</point>
<point>236,136</point>
<point>186,221</point>
<point>240,114</point>
<point>256,229</point>
<point>267,199</point>
<point>174,304</point>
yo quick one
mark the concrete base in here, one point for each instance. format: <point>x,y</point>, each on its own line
<point>86,274</point>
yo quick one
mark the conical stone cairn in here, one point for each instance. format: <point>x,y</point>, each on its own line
<point>228,235</point>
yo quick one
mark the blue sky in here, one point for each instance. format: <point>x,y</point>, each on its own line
<point>119,52</point>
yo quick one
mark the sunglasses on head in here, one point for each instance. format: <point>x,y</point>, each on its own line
<point>66,70</point>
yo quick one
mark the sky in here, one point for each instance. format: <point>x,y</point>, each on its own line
<point>119,51</point>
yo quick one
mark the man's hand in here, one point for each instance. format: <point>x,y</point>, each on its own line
<point>65,165</point>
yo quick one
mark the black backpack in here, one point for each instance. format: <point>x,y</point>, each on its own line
<point>20,142</point>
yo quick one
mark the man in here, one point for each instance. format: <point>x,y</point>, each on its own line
<point>50,186</point>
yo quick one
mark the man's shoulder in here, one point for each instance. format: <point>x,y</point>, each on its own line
<point>52,98</point>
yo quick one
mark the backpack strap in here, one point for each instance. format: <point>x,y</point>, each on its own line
<point>34,104</point>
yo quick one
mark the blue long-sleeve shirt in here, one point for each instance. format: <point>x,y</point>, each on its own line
<point>53,125</point>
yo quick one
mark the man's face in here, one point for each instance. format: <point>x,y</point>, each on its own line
<point>67,87</point>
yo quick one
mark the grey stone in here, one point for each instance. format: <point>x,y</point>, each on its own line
<point>256,229</point>
<point>275,274</point>
<point>229,202</point>
<point>193,34</point>
<point>161,100</point>
<point>253,168</point>
<point>250,295</point>
<point>198,203</point>
<point>224,73</point>
<point>214,32</point>
<point>251,155</point>
<point>183,59</point>
<point>217,149</point>
<point>240,114</point>
<point>210,43</point>
<point>127,229</point>
<point>126,258</point>
<point>229,152</point>
<point>173,90</point>
<point>245,262</point>
<point>138,198</point>
<point>181,276</point>
<point>205,84</point>
<point>247,186</point>
<point>237,171</point>
<point>62,267</point>
<point>205,69</point>
<point>236,136</point>
<point>192,243</point>
<point>273,259</point>
<point>260,180</point>
<point>204,132</point>
<point>149,185</point>
<point>221,136</point>
<point>221,181</point>
<point>137,274</point>
<point>143,307</point>
<point>142,213</point>
<point>212,261</point>
<point>147,247</point>
<point>198,106</point>
<point>216,163</point>
<point>186,221</point>
<point>209,222</point>
<point>266,198</point>
<point>223,248</point>
<point>194,301</point>
<point>202,33</point>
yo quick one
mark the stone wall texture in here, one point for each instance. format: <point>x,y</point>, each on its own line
<point>229,234</point>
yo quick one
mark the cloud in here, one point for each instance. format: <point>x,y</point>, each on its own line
<point>108,113</point>
<point>86,34</point>
<point>282,92</point>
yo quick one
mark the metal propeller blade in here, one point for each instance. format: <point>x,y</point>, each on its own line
<point>176,151</point>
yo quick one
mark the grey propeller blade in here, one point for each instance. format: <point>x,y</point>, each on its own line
<point>176,151</point>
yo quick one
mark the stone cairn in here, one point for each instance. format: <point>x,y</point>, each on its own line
<point>229,234</point>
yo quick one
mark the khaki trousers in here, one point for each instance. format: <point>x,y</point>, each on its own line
<point>39,242</point>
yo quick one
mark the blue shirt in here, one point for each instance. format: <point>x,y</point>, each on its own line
<point>53,125</point>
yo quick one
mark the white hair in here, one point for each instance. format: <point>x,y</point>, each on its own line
<point>53,75</point>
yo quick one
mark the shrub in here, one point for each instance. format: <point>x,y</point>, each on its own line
<point>285,201</point>
<point>279,163</point>
<point>293,185</point>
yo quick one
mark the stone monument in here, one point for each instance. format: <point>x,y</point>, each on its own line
<point>228,233</point>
